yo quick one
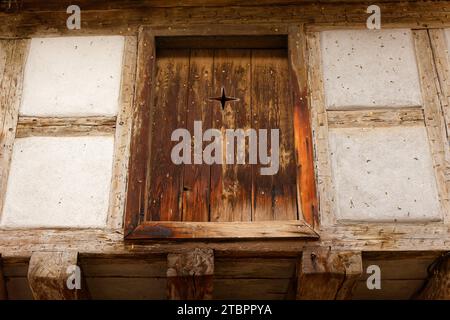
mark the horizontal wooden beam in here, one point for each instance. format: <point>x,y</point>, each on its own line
<point>368,118</point>
<point>437,286</point>
<point>65,126</point>
<point>222,230</point>
<point>190,275</point>
<point>125,17</point>
<point>328,275</point>
<point>48,275</point>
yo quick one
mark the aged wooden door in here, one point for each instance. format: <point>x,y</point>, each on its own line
<point>185,82</point>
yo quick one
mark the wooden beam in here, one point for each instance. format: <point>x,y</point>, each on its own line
<point>210,230</point>
<point>3,292</point>
<point>437,286</point>
<point>48,275</point>
<point>11,81</point>
<point>434,119</point>
<point>125,17</point>
<point>190,275</point>
<point>65,126</point>
<point>328,275</point>
<point>375,118</point>
<point>123,135</point>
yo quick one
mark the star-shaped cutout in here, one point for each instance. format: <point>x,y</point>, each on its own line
<point>223,98</point>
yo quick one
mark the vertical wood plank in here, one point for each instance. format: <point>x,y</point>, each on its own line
<point>3,292</point>
<point>328,275</point>
<point>123,136</point>
<point>231,185</point>
<point>140,137</point>
<point>434,120</point>
<point>274,195</point>
<point>14,57</point>
<point>306,187</point>
<point>47,276</point>
<point>196,180</point>
<point>190,275</point>
<point>319,123</point>
<point>168,114</point>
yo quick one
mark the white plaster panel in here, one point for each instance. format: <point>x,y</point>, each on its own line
<point>73,76</point>
<point>59,182</point>
<point>369,68</point>
<point>383,174</point>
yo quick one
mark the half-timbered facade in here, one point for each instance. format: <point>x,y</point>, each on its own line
<point>224,149</point>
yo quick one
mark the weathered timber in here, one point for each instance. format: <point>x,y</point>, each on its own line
<point>119,176</point>
<point>434,121</point>
<point>437,286</point>
<point>11,82</point>
<point>65,126</point>
<point>48,276</point>
<point>190,275</point>
<point>328,275</point>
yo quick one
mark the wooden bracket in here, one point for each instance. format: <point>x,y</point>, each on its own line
<point>328,275</point>
<point>190,275</point>
<point>48,274</point>
<point>437,286</point>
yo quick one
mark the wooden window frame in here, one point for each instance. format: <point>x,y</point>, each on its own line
<point>135,228</point>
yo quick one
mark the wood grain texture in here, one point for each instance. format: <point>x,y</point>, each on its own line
<point>116,209</point>
<point>168,113</point>
<point>47,276</point>
<point>360,237</point>
<point>10,98</point>
<point>190,275</point>
<point>196,179</point>
<point>125,18</point>
<point>140,132</point>
<point>375,118</point>
<point>65,126</point>
<point>442,63</point>
<point>328,275</point>
<point>218,230</point>
<point>274,196</point>
<point>231,184</point>
<point>434,120</point>
<point>306,185</point>
<point>437,286</point>
<point>319,124</point>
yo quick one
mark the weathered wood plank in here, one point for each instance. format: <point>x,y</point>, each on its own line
<point>231,184</point>
<point>274,196</point>
<point>120,20</point>
<point>328,275</point>
<point>375,118</point>
<point>437,286</point>
<point>168,113</point>
<point>442,63</point>
<point>65,126</point>
<point>434,120</point>
<point>122,136</point>
<point>10,98</point>
<point>47,276</point>
<point>319,123</point>
<point>140,131</point>
<point>190,275</point>
<point>196,180</point>
<point>211,230</point>
<point>306,185</point>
